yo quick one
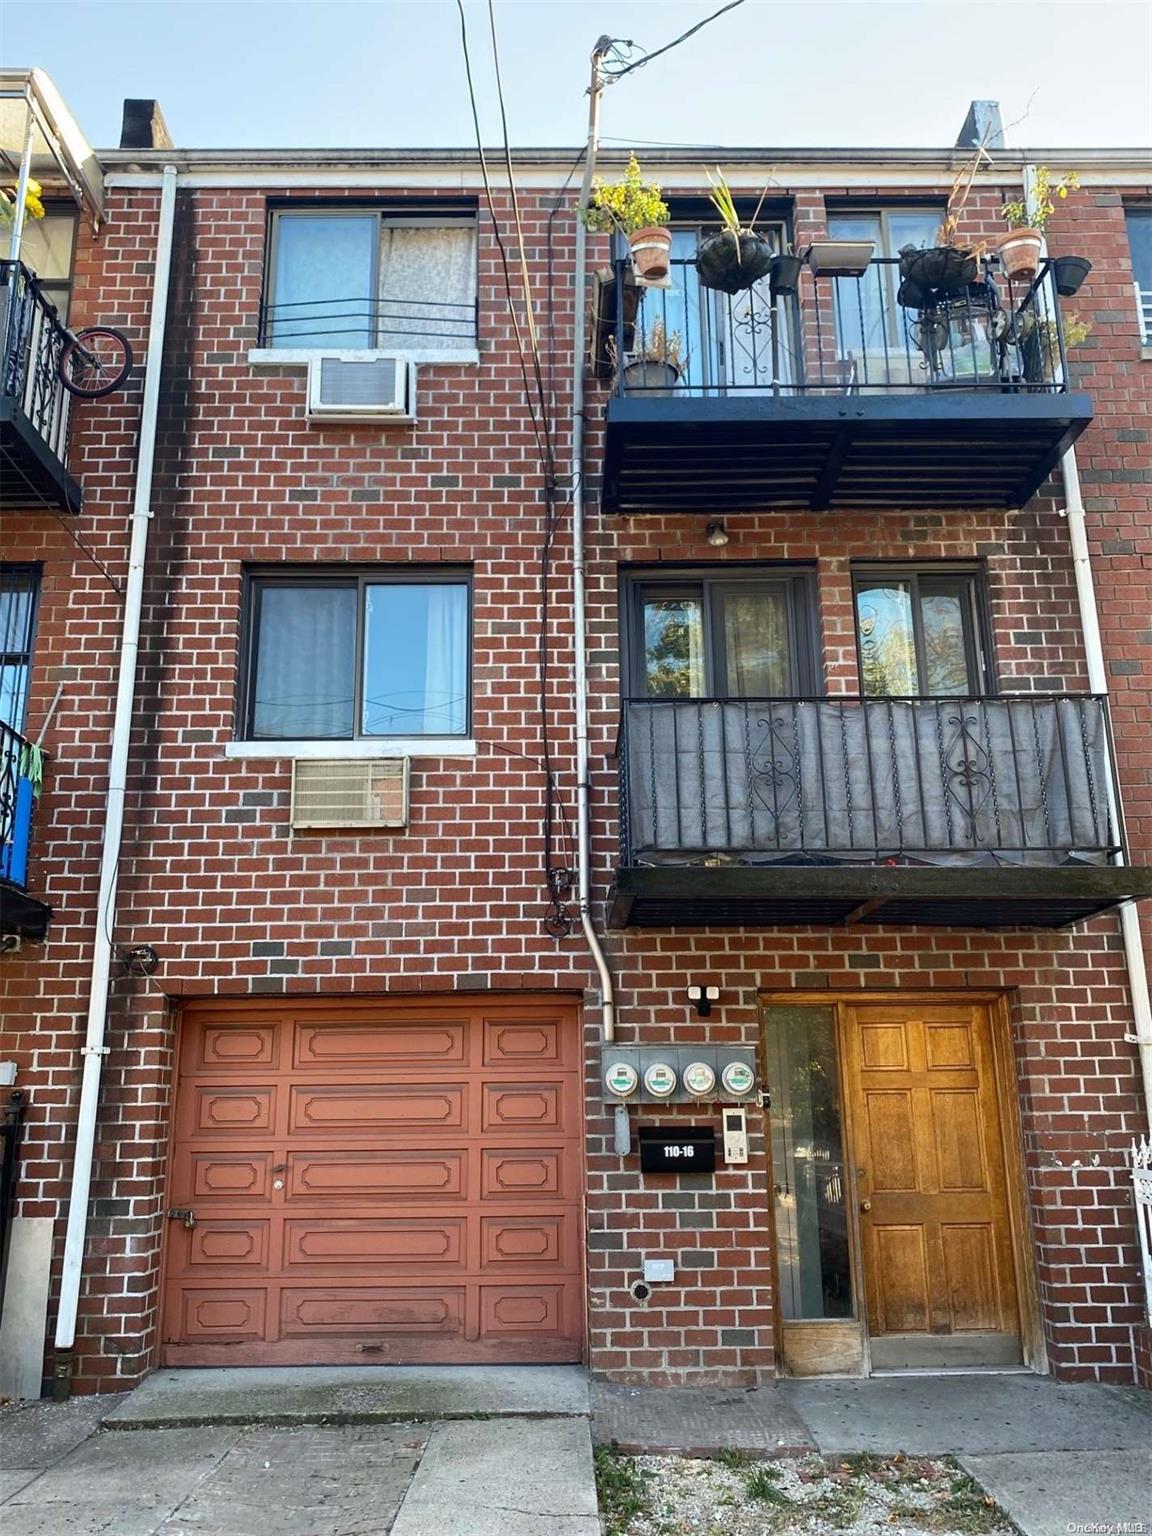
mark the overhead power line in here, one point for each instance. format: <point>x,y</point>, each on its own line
<point>646,58</point>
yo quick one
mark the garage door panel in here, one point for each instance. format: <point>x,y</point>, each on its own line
<point>380,1048</point>
<point>217,1110</point>
<point>390,1108</point>
<point>525,1242</point>
<point>230,1046</point>
<point>226,1175</point>
<point>223,1314</point>
<point>377,1176</point>
<point>524,1042</point>
<point>215,1247</point>
<point>389,1245</point>
<point>511,1107</point>
<point>393,1183</point>
<point>372,1311</point>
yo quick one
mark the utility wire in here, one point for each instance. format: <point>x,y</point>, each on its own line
<point>626,69</point>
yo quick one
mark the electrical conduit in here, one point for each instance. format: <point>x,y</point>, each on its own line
<point>94,1050</point>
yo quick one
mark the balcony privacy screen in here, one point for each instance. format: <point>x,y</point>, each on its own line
<point>947,781</point>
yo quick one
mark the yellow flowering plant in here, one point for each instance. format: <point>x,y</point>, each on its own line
<point>33,206</point>
<point>1048,189</point>
<point>626,205</point>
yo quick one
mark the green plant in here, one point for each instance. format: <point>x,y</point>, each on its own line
<point>621,1487</point>
<point>653,346</point>
<point>1076,331</point>
<point>1048,189</point>
<point>761,1485</point>
<point>33,207</point>
<point>725,205</point>
<point>626,205</point>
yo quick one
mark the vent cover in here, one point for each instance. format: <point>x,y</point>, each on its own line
<point>357,792</point>
<point>344,387</point>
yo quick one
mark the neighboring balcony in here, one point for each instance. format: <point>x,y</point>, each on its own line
<point>21,913</point>
<point>33,401</point>
<point>977,812</point>
<point>834,397</point>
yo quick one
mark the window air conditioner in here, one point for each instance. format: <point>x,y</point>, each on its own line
<point>346,387</point>
<point>350,792</point>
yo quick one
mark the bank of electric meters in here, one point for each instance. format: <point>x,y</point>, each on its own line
<point>678,1074</point>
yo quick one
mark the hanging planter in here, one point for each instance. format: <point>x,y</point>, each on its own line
<point>1070,272</point>
<point>651,249</point>
<point>943,268</point>
<point>730,263</point>
<point>785,275</point>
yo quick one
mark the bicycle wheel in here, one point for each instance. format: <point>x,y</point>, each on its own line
<point>94,362</point>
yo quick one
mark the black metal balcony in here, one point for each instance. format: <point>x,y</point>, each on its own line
<point>834,397</point>
<point>980,812</point>
<point>20,913</point>
<point>33,401</point>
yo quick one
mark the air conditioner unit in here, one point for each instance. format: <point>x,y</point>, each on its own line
<point>346,386</point>
<point>350,792</point>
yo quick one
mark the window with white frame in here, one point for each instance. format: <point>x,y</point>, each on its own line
<point>362,278</point>
<point>1139,222</point>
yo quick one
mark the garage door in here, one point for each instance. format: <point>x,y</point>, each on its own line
<point>374,1182</point>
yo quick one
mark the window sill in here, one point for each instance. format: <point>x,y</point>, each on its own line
<point>1146,354</point>
<point>387,746</point>
<point>300,357</point>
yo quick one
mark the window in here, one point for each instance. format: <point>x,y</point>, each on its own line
<point>361,278</point>
<point>18,590</point>
<point>730,634</point>
<point>1139,222</point>
<point>868,319</point>
<point>920,633</point>
<point>46,247</point>
<point>373,654</point>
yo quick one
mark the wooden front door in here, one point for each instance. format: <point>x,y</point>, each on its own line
<point>376,1182</point>
<point>926,1144</point>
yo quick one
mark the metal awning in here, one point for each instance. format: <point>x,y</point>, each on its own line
<point>61,159</point>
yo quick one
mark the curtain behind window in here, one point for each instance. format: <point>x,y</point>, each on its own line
<point>305,663</point>
<point>427,287</point>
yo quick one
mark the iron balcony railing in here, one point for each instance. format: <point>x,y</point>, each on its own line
<point>365,323</point>
<point>835,335</point>
<point>1015,779</point>
<point>17,799</point>
<point>32,338</point>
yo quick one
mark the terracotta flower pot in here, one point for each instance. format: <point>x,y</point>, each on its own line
<point>1020,252</point>
<point>651,249</point>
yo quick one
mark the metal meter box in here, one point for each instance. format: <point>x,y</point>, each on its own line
<point>678,1074</point>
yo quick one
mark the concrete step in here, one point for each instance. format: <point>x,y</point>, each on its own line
<point>369,1394</point>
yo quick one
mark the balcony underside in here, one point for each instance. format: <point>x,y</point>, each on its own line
<point>30,473</point>
<point>771,897</point>
<point>938,448</point>
<point>22,914</point>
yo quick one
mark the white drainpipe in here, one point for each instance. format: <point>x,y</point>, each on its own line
<point>1098,683</point>
<point>94,1050</point>
<point>579,595</point>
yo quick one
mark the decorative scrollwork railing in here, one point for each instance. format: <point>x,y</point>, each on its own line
<point>32,339</point>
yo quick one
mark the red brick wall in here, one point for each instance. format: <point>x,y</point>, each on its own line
<point>232,904</point>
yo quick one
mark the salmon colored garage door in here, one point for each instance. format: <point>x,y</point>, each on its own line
<point>376,1182</point>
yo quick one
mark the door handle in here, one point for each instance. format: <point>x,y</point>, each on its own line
<point>865,1205</point>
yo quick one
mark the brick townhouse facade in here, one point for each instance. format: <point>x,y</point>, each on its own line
<point>353,1105</point>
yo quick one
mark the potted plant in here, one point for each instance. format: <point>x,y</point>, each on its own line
<point>655,362</point>
<point>635,208</point>
<point>736,256</point>
<point>33,206</point>
<point>1028,220</point>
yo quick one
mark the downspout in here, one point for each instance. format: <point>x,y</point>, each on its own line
<point>579,592</point>
<point>1098,683</point>
<point>94,1050</point>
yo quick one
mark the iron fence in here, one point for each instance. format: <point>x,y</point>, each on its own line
<point>11,1129</point>
<point>842,335</point>
<point>33,339</point>
<point>1014,779</point>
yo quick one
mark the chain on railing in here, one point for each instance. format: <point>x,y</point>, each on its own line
<point>1014,778</point>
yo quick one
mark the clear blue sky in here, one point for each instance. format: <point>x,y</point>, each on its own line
<point>255,73</point>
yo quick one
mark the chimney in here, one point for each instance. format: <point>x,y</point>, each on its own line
<point>143,125</point>
<point>982,126</point>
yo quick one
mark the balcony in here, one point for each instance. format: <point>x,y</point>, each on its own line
<point>976,812</point>
<point>20,913</point>
<point>33,401</point>
<point>835,397</point>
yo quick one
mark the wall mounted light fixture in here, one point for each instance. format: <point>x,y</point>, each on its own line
<point>716,533</point>
<point>703,997</point>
